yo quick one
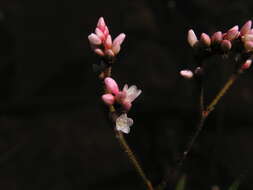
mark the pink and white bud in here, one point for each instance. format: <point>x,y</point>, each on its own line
<point>216,37</point>
<point>94,39</point>
<point>111,85</point>
<point>236,27</point>
<point>246,65</point>
<point>248,45</point>
<point>116,49</point>
<point>192,38</point>
<point>226,45</point>
<point>108,99</point>
<point>205,39</point>
<point>187,74</point>
<point>246,28</point>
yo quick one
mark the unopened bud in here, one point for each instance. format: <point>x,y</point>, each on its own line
<point>226,45</point>
<point>186,74</point>
<point>246,28</point>
<point>205,39</point>
<point>246,65</point>
<point>216,37</point>
<point>192,38</point>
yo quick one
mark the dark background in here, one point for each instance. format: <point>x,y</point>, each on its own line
<point>54,132</point>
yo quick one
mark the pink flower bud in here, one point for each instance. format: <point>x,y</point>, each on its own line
<point>232,34</point>
<point>226,45</point>
<point>205,39</point>
<point>192,38</point>
<point>186,74</point>
<point>94,39</point>
<point>99,52</point>
<point>111,85</point>
<point>248,45</point>
<point>246,28</point>
<point>101,24</point>
<point>108,99</point>
<point>108,42</point>
<point>119,39</point>
<point>116,49</point>
<point>216,37</point>
<point>246,64</point>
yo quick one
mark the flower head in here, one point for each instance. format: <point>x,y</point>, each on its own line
<point>101,41</point>
<point>124,97</point>
<point>123,123</point>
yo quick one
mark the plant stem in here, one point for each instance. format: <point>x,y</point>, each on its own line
<point>204,114</point>
<point>121,139</point>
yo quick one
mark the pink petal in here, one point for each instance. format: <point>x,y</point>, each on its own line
<point>231,35</point>
<point>94,39</point>
<point>108,99</point>
<point>186,74</point>
<point>111,85</point>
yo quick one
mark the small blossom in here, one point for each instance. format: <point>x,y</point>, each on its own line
<point>192,38</point>
<point>124,97</point>
<point>232,34</point>
<point>186,74</point>
<point>123,123</point>
<point>101,41</point>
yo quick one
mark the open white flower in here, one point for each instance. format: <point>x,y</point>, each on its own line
<point>123,123</point>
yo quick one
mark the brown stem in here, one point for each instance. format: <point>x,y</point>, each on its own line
<point>120,137</point>
<point>205,113</point>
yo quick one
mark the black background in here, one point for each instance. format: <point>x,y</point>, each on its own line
<point>54,132</point>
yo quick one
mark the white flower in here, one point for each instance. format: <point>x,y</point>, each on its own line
<point>131,93</point>
<point>123,123</point>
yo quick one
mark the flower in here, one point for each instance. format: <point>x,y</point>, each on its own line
<point>192,38</point>
<point>101,41</point>
<point>123,123</point>
<point>124,97</point>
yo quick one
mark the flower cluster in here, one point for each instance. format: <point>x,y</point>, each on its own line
<point>101,41</point>
<point>239,42</point>
<point>124,97</point>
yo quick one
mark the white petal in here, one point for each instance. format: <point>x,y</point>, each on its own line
<point>132,93</point>
<point>125,88</point>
